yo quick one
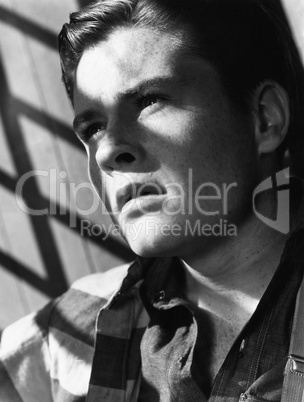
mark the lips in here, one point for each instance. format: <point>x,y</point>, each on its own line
<point>136,191</point>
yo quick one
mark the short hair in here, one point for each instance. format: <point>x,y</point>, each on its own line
<point>247,42</point>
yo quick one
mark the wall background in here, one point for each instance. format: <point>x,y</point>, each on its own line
<point>41,255</point>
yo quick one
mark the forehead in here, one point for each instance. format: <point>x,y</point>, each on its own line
<point>127,57</point>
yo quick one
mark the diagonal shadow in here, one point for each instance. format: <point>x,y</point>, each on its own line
<point>7,181</point>
<point>22,272</point>
<point>111,245</point>
<point>10,108</point>
<point>40,226</point>
<point>45,120</point>
<point>49,39</point>
<point>29,27</point>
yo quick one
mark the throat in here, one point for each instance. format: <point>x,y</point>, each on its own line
<point>235,274</point>
<point>214,341</point>
<point>226,305</point>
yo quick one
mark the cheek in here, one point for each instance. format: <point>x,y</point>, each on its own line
<point>95,175</point>
<point>101,182</point>
<point>190,141</point>
<point>226,140</point>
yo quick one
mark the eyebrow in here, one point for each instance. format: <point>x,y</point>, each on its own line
<point>91,114</point>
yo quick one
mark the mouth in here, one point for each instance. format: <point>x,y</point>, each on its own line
<point>138,191</point>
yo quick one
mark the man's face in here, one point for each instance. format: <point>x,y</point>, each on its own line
<point>167,150</point>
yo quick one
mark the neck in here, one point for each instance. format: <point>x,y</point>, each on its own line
<point>230,281</point>
<point>232,276</point>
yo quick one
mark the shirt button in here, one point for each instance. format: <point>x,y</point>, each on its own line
<point>159,296</point>
<point>242,347</point>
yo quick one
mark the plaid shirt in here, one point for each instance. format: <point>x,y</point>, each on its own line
<point>64,354</point>
<point>47,356</point>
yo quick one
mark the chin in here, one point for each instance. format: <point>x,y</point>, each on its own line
<point>156,246</point>
<point>146,248</point>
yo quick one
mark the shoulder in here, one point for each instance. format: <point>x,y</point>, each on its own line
<point>24,355</point>
<point>76,308</point>
<point>47,343</point>
<point>74,313</point>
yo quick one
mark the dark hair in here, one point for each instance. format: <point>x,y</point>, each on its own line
<point>248,41</point>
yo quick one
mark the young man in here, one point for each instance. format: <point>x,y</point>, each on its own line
<point>184,109</point>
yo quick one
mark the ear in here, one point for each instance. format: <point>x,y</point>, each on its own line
<point>272,116</point>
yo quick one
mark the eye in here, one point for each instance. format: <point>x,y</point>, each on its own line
<point>91,130</point>
<point>149,100</point>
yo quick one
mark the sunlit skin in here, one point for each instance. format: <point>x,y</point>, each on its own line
<point>147,113</point>
<point>180,119</point>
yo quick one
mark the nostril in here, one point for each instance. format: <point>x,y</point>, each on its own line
<point>124,158</point>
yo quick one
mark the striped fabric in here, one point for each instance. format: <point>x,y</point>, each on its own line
<point>64,354</point>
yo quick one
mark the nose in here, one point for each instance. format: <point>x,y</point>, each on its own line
<point>113,155</point>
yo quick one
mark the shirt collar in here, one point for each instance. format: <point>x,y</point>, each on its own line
<point>162,280</point>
